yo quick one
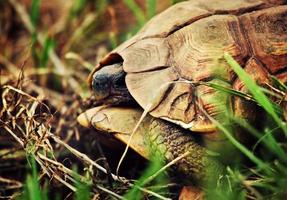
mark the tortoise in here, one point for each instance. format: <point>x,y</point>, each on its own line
<point>166,69</point>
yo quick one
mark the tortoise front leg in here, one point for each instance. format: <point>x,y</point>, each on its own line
<point>160,138</point>
<point>172,142</point>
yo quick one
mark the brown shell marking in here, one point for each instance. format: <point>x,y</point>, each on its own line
<point>186,51</point>
<point>266,31</point>
<point>197,48</point>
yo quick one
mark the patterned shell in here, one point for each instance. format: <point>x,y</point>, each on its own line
<point>174,57</point>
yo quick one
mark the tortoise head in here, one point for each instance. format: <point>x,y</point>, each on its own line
<point>108,85</point>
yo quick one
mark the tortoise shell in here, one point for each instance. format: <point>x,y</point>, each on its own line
<point>182,47</point>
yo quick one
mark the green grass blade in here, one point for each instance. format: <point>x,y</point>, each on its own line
<point>83,191</point>
<point>155,165</point>
<point>113,40</point>
<point>229,91</point>
<point>32,188</point>
<point>151,8</point>
<point>267,139</point>
<point>272,143</point>
<point>83,184</point>
<point>281,86</point>
<point>243,95</point>
<point>260,163</point>
<point>137,11</point>
<point>256,92</point>
<point>35,12</point>
<point>32,182</point>
<point>77,7</point>
<point>48,46</point>
<point>34,17</point>
<point>277,108</point>
<point>175,1</point>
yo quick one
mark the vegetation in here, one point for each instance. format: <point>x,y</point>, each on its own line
<point>48,51</point>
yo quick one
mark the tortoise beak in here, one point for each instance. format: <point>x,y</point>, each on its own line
<point>119,122</point>
<point>93,114</point>
<point>83,120</point>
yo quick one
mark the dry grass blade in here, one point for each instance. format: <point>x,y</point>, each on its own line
<point>131,136</point>
<point>152,193</point>
<point>74,56</point>
<point>13,70</point>
<point>148,108</point>
<point>174,161</point>
<point>110,192</point>
<point>85,158</point>
<point>10,183</point>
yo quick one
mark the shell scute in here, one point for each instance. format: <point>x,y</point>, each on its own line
<point>184,46</point>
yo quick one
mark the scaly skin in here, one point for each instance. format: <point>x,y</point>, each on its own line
<point>172,142</point>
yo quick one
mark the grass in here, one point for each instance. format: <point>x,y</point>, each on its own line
<point>49,132</point>
<point>267,178</point>
<point>137,11</point>
<point>257,92</point>
<point>151,8</point>
<point>35,12</point>
<point>32,188</point>
<point>49,44</point>
<point>135,193</point>
<point>41,56</point>
<point>77,7</point>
